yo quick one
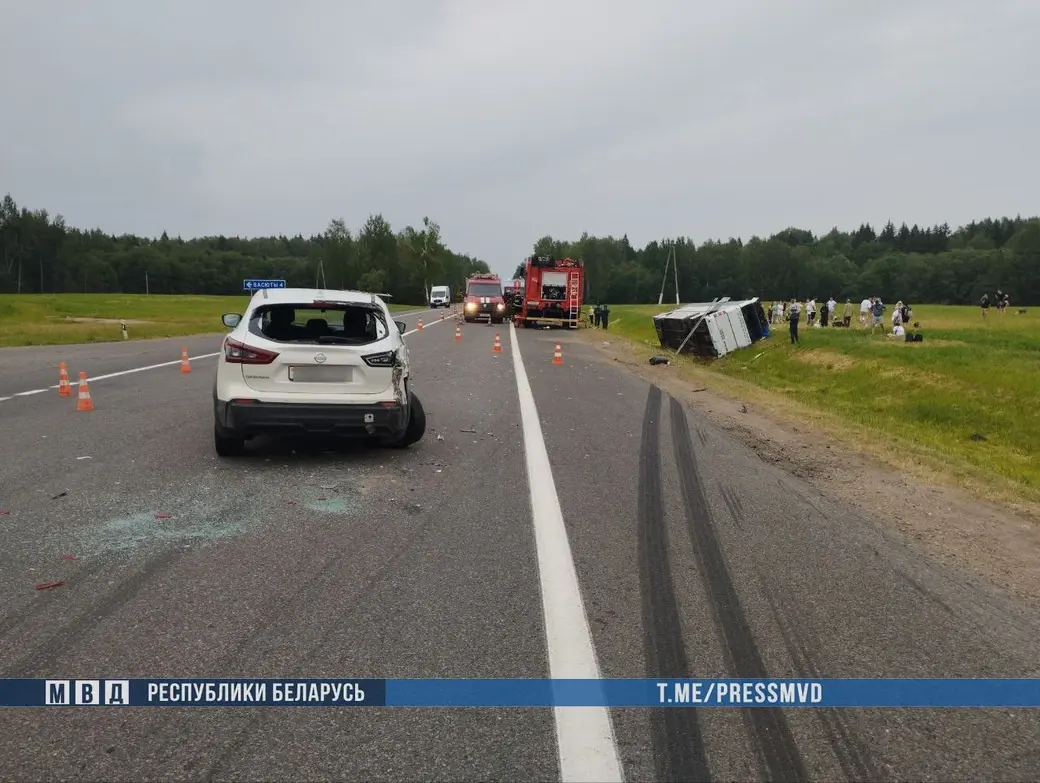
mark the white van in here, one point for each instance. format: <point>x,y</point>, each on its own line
<point>440,296</point>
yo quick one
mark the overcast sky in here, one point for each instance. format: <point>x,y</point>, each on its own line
<point>505,121</point>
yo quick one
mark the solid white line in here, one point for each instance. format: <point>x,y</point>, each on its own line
<point>584,735</point>
<point>26,394</point>
<point>425,326</point>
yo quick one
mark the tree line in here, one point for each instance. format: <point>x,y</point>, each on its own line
<point>40,254</point>
<point>933,265</point>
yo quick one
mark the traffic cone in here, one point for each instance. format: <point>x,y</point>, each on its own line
<point>185,364</point>
<point>458,334</point>
<point>558,355</point>
<point>419,327</point>
<point>85,403</point>
<point>442,316</point>
<point>498,344</point>
<point>64,387</point>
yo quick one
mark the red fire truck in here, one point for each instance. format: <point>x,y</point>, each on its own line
<point>553,292</point>
<point>484,299</point>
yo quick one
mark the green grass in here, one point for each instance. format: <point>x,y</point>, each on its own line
<point>42,319</point>
<point>917,400</point>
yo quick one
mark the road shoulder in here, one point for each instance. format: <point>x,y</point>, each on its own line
<point>999,544</point>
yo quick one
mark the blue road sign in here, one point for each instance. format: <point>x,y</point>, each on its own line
<point>258,285</point>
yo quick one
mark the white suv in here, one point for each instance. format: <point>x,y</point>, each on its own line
<point>302,360</point>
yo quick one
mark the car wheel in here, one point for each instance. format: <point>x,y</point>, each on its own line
<point>226,444</point>
<point>416,423</point>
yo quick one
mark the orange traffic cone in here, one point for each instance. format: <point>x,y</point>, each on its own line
<point>418,328</point>
<point>442,316</point>
<point>498,344</point>
<point>458,334</point>
<point>558,355</point>
<point>185,364</point>
<point>85,403</point>
<point>64,387</point>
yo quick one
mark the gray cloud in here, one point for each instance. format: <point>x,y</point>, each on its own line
<point>505,121</point>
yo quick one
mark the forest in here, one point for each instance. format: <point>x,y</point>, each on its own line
<point>935,264</point>
<point>931,265</point>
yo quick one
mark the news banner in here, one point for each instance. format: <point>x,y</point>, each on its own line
<point>186,692</point>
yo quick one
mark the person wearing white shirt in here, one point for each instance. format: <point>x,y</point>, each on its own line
<point>831,304</point>
<point>898,331</point>
<point>864,308</point>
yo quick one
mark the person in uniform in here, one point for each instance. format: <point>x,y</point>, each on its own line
<point>604,316</point>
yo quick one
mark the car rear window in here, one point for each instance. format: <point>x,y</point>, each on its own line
<point>325,324</point>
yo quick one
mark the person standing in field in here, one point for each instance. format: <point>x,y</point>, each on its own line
<point>824,315</point>
<point>864,308</point>
<point>984,303</point>
<point>810,312</point>
<point>831,304</point>
<point>794,311</point>
<point>876,311</point>
<point>846,317</point>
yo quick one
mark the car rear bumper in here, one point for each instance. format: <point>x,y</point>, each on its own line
<point>355,420</point>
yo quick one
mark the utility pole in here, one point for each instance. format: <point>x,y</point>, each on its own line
<point>146,290</point>
<point>664,280</point>
<point>319,278</point>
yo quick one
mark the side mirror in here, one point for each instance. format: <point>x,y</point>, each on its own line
<point>231,320</point>
<point>402,327</point>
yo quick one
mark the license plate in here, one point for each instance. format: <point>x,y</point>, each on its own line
<point>320,374</point>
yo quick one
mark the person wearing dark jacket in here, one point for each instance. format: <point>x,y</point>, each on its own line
<point>793,315</point>
<point>605,316</point>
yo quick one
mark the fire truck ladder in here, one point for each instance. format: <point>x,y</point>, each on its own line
<point>574,298</point>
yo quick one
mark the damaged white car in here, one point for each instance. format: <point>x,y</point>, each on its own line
<point>308,361</point>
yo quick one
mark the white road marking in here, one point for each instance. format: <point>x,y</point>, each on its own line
<point>584,735</point>
<point>92,378</point>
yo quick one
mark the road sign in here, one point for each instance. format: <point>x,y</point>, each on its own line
<point>258,285</point>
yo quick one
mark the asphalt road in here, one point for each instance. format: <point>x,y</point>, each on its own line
<point>691,555</point>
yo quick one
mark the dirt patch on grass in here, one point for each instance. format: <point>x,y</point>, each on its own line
<point>831,360</point>
<point>998,541</point>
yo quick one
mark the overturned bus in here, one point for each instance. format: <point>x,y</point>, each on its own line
<point>712,329</point>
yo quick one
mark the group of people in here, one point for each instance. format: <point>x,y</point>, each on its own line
<point>599,315</point>
<point>781,311</point>
<point>1002,302</point>
<point>824,316</point>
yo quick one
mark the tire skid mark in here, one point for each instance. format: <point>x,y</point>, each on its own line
<point>32,607</point>
<point>678,746</point>
<point>733,505</point>
<point>261,716</point>
<point>771,732</point>
<point>853,756</point>
<point>42,657</point>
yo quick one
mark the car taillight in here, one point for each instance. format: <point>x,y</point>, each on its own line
<point>237,353</point>
<point>384,359</point>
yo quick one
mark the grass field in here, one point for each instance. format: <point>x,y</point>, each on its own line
<point>928,401</point>
<point>64,319</point>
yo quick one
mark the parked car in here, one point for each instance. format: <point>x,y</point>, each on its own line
<point>301,360</point>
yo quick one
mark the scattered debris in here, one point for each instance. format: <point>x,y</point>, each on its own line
<point>291,502</point>
<point>59,495</point>
<point>69,557</point>
<point>977,436</point>
<point>4,512</point>
<point>655,360</point>
<point>743,408</point>
<point>474,432</point>
<point>49,585</point>
<point>163,516</point>
<point>440,437</point>
<point>84,458</point>
<point>705,388</point>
